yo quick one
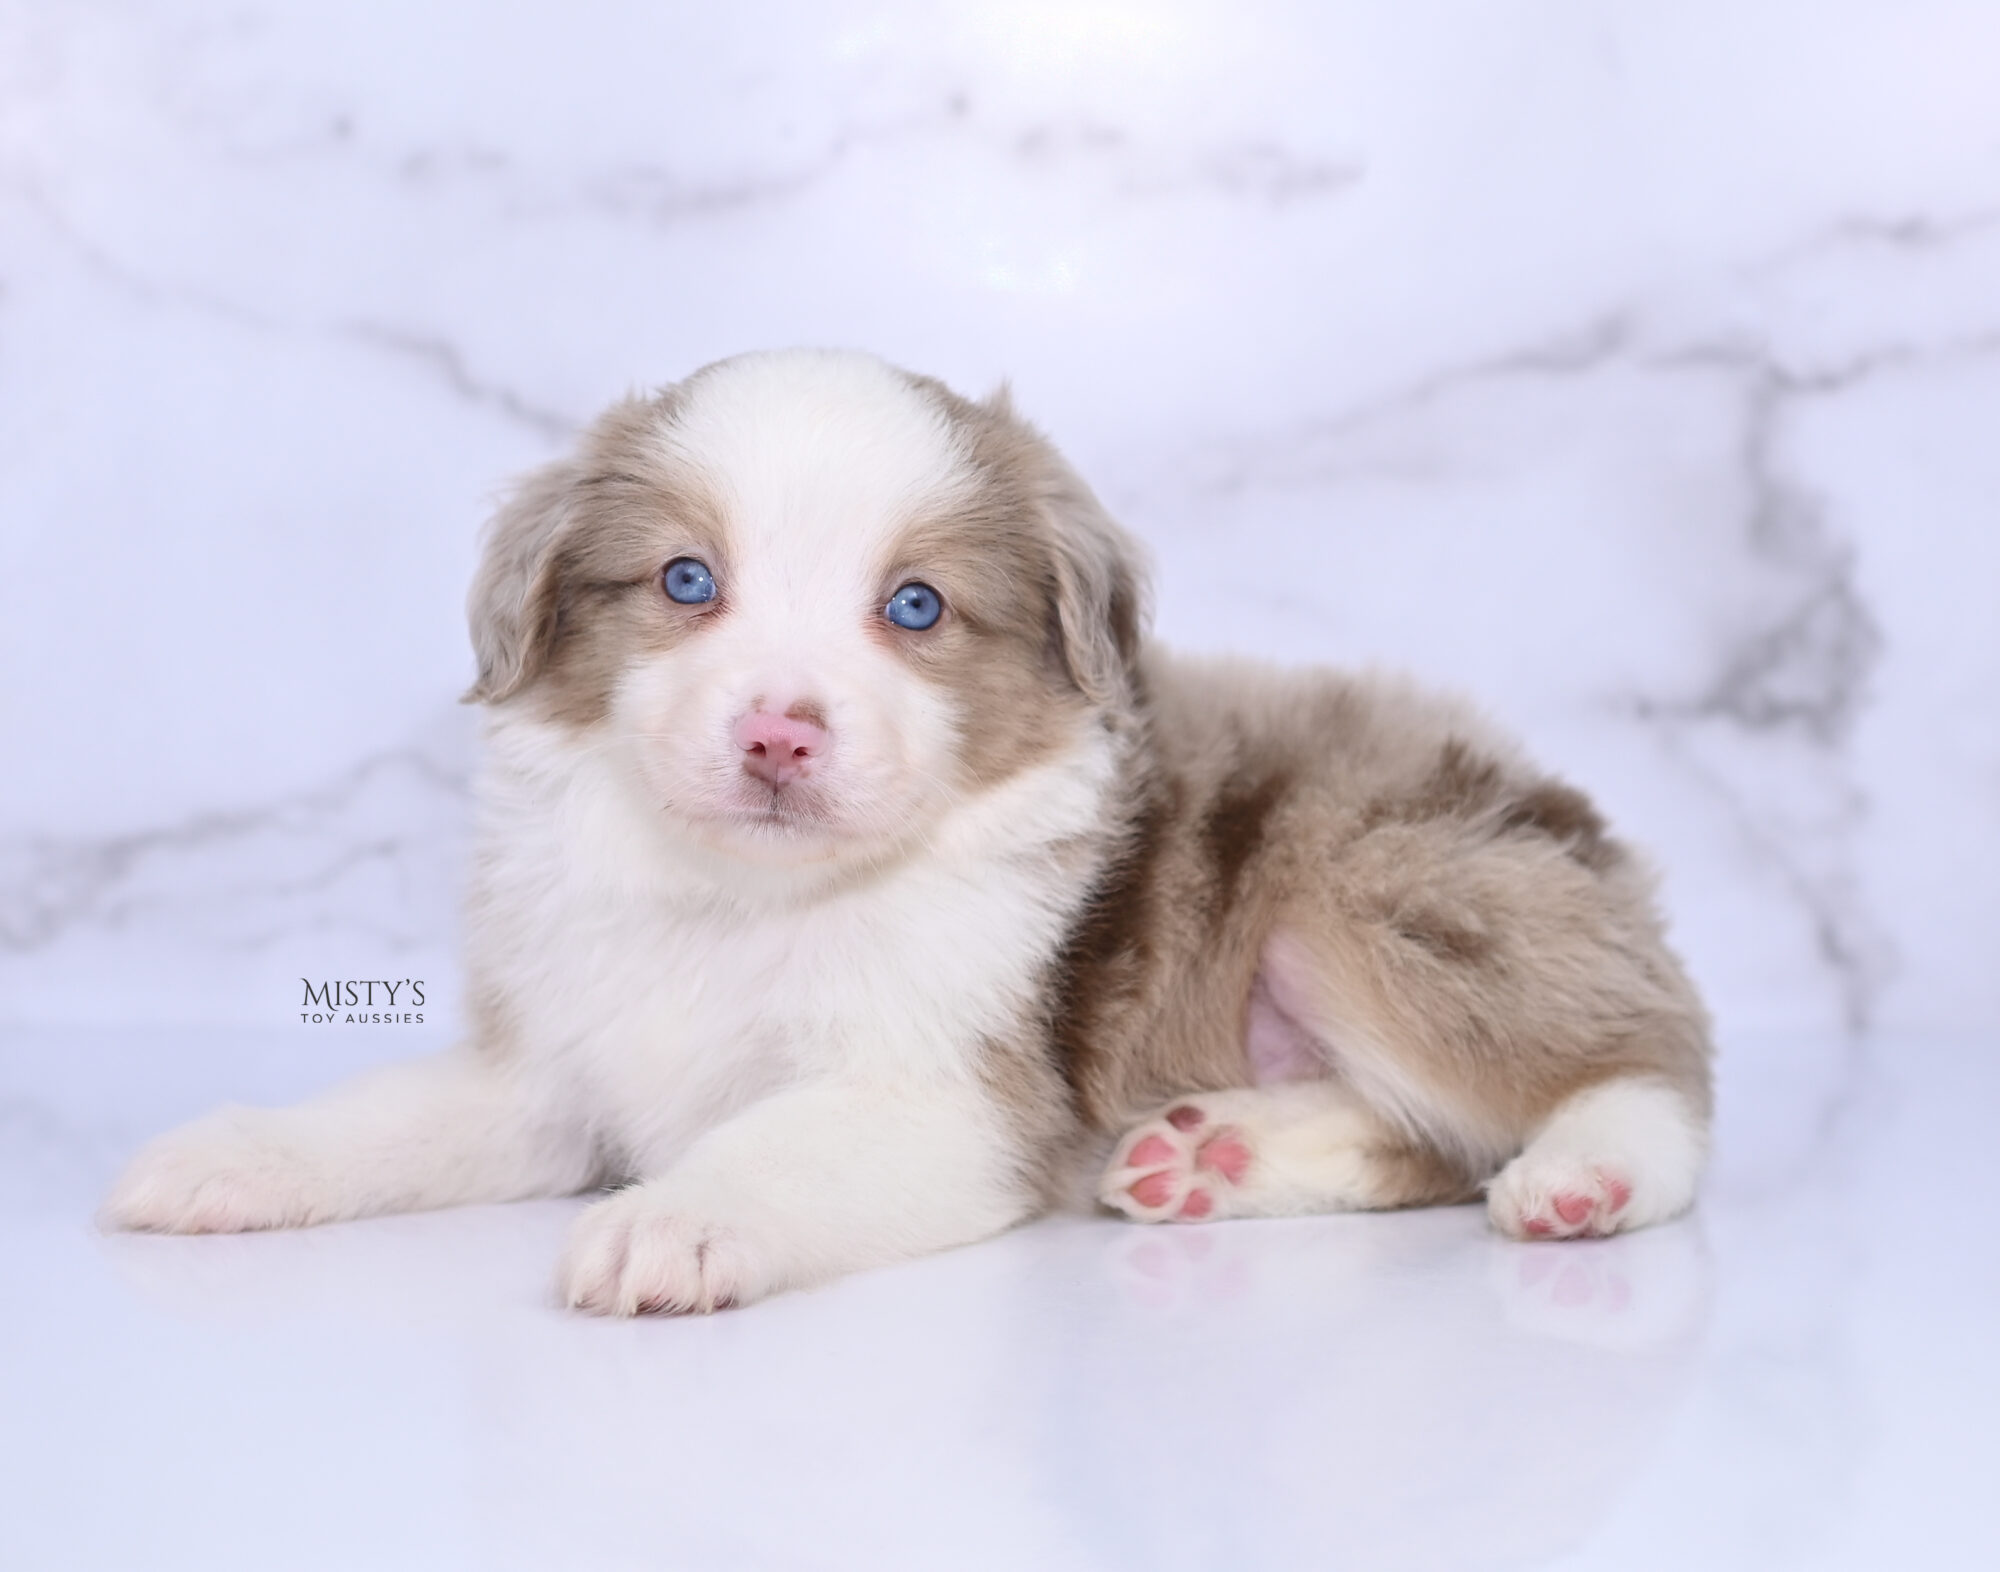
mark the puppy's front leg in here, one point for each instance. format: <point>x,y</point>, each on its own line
<point>813,1182</point>
<point>453,1128</point>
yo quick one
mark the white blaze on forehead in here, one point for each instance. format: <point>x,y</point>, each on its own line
<point>821,458</point>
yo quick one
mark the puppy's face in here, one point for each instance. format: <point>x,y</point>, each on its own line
<point>812,601</point>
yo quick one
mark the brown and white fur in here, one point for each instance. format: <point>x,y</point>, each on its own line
<point>836,942</point>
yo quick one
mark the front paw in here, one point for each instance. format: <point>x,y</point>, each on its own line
<point>639,1253</point>
<point>224,1174</point>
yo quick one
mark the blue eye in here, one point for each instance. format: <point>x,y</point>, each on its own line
<point>688,581</point>
<point>914,606</point>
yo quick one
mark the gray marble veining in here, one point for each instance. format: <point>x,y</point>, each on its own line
<point>1548,355</point>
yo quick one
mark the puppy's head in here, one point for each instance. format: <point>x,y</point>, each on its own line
<point>814,602</point>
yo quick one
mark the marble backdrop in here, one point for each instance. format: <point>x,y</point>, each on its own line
<point>1634,367</point>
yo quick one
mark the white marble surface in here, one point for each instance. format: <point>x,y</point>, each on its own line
<point>1800,1375</point>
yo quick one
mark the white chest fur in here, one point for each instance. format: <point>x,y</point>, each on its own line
<point>651,992</point>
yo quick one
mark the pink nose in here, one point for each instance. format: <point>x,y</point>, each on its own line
<point>779,748</point>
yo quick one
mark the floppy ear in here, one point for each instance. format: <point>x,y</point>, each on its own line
<point>1101,589</point>
<point>1101,607</point>
<point>516,592</point>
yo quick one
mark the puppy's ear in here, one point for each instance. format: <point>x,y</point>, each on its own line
<point>1101,606</point>
<point>1101,590</point>
<point>517,591</point>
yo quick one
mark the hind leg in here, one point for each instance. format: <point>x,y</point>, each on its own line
<point>1270,1151</point>
<point>1619,1155</point>
<point>1514,1005</point>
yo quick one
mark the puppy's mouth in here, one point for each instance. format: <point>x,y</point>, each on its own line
<point>787,808</point>
<point>795,809</point>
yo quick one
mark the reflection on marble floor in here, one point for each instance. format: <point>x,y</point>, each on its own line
<point>1800,1374</point>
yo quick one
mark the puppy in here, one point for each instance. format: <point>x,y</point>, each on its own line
<point>851,874</point>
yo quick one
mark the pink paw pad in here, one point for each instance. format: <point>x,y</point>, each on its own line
<point>1588,1207</point>
<point>1224,1154</point>
<point>1153,1189</point>
<point>1173,1169</point>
